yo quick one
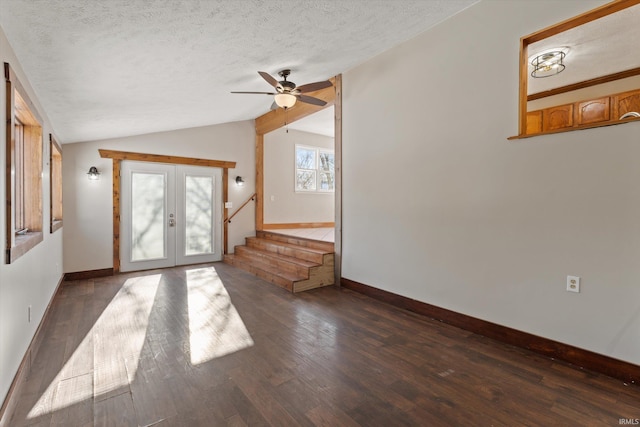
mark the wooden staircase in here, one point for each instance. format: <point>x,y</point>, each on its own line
<point>294,263</point>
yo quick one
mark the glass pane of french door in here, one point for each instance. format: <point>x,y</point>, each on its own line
<point>148,210</point>
<point>199,232</point>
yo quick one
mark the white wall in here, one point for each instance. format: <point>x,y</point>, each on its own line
<point>88,230</point>
<point>288,206</point>
<point>32,279</point>
<point>440,207</point>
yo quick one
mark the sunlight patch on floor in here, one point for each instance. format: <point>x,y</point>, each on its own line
<point>215,327</point>
<point>97,367</point>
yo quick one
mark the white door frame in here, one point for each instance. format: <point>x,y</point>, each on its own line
<point>174,214</point>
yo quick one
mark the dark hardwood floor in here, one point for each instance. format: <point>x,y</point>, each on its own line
<point>211,345</point>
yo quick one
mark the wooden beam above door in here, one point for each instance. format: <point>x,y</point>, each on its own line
<point>159,158</point>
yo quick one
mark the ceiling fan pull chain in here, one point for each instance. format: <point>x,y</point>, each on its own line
<point>286,125</point>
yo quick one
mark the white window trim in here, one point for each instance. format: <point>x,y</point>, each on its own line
<point>316,171</point>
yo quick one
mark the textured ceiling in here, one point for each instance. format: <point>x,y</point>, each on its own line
<point>113,68</point>
<point>598,48</point>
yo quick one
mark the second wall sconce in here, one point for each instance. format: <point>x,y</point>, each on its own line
<point>93,173</point>
<point>239,181</point>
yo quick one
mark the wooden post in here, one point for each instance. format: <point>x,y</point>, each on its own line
<point>116,216</point>
<point>259,182</point>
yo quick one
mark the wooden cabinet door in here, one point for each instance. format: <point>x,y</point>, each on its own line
<point>534,122</point>
<point>593,111</point>
<point>626,102</point>
<point>557,117</point>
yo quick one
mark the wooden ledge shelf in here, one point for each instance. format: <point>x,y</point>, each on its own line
<point>56,225</point>
<point>23,244</point>
<point>571,129</point>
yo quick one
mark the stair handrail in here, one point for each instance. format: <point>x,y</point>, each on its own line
<point>252,197</point>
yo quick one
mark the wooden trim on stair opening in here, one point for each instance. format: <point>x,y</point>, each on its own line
<point>276,119</point>
<point>118,156</point>
<point>281,226</point>
<point>337,156</point>
<point>225,212</point>
<point>606,365</point>
<point>116,215</point>
<point>259,181</point>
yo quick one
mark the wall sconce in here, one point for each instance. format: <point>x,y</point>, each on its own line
<point>93,173</point>
<point>239,181</point>
<point>548,64</point>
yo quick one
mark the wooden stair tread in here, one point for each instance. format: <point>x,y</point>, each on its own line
<point>276,256</point>
<point>290,245</point>
<point>302,241</point>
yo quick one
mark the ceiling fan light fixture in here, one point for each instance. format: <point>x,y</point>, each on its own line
<point>285,100</point>
<point>287,93</point>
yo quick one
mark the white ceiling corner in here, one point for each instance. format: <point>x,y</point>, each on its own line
<point>105,69</point>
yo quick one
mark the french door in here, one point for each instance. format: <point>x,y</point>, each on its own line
<point>170,215</point>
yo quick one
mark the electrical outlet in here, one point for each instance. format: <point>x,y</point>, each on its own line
<point>573,284</point>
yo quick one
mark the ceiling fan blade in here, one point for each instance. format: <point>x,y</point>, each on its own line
<point>311,100</point>
<point>311,87</point>
<point>274,106</point>
<point>273,82</point>
<point>257,93</point>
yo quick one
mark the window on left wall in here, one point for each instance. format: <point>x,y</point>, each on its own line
<point>55,184</point>
<point>23,170</point>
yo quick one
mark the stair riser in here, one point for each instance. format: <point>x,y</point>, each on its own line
<point>322,275</point>
<point>282,250</point>
<point>271,278</point>
<point>278,263</point>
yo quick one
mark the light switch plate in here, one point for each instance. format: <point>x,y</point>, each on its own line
<point>228,205</point>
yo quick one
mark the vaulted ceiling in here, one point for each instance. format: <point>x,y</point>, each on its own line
<point>105,69</point>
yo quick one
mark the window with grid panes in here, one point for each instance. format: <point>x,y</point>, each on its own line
<point>315,169</point>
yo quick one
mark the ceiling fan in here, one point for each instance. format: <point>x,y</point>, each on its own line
<point>287,93</point>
